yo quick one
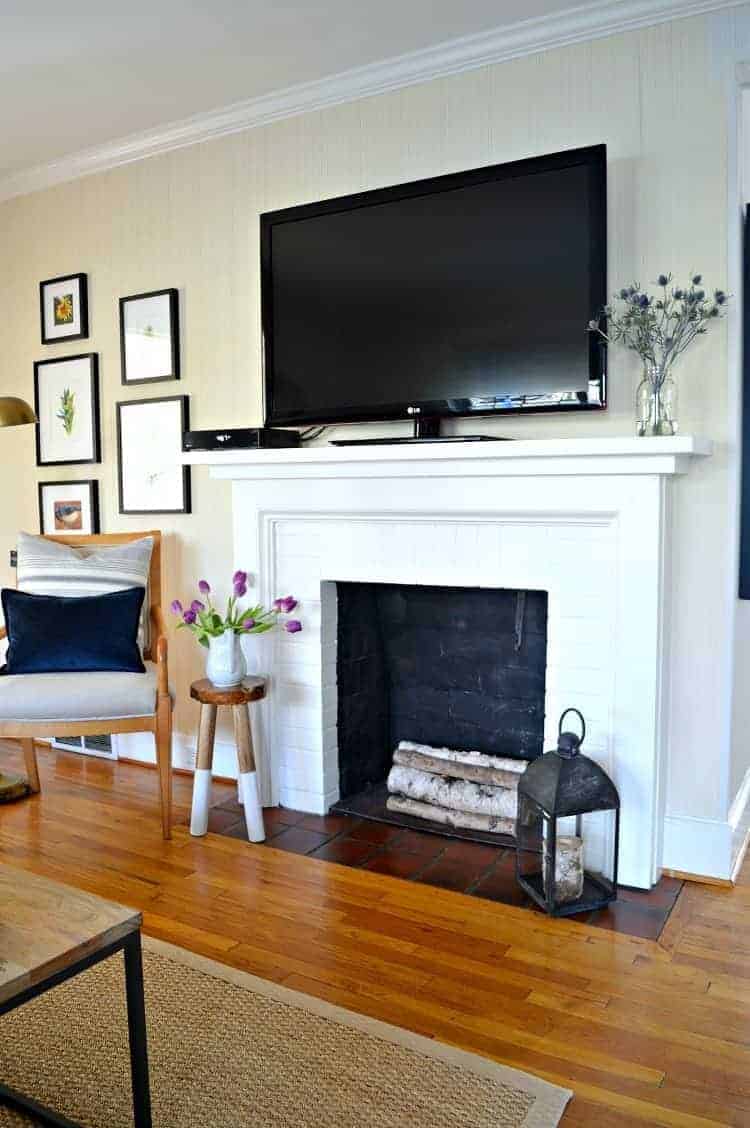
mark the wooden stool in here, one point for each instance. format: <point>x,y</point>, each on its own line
<point>239,697</point>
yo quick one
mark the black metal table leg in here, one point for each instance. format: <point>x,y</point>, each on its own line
<point>137,1031</point>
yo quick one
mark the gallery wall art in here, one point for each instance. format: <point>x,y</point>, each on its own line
<point>150,337</point>
<point>69,507</point>
<point>151,476</point>
<point>66,400</point>
<point>64,308</point>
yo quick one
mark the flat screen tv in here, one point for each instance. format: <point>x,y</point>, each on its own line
<point>462,295</point>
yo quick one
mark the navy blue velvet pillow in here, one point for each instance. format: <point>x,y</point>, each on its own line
<point>60,634</point>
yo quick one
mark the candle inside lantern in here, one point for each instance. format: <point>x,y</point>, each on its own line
<point>568,869</point>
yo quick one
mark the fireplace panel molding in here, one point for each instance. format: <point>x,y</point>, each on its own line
<point>597,543</point>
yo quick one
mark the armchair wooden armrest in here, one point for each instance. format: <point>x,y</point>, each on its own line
<point>160,648</point>
<point>3,632</point>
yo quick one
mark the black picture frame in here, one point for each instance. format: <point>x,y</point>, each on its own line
<point>174,337</point>
<point>91,485</point>
<point>39,365</point>
<point>83,300</point>
<point>184,402</point>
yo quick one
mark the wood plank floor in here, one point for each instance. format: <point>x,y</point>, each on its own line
<point>644,1033</point>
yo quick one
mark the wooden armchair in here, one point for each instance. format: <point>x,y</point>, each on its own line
<point>156,718</point>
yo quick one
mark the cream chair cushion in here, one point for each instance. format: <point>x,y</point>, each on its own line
<point>78,697</point>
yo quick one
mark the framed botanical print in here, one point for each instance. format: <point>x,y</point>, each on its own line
<point>69,507</point>
<point>150,337</point>
<point>66,398</point>
<point>64,308</point>
<point>151,476</point>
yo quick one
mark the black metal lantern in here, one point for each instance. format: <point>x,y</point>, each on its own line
<point>566,785</point>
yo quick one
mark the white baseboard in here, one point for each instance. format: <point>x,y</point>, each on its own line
<point>710,847</point>
<point>140,746</point>
<point>739,820</point>
<point>698,846</point>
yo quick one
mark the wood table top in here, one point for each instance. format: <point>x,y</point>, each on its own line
<point>251,688</point>
<point>46,927</point>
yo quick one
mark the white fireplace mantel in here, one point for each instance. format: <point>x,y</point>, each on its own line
<point>461,459</point>
<point>586,520</point>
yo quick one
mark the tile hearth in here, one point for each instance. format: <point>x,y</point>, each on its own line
<point>462,866</point>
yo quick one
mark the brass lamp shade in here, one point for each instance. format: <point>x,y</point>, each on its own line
<point>14,411</point>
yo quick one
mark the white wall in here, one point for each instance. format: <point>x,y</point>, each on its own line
<point>190,219</point>
<point>740,758</point>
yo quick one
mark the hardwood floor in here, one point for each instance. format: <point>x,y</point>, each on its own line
<point>644,1032</point>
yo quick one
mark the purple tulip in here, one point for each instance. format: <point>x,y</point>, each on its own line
<point>292,625</point>
<point>204,587</point>
<point>197,606</point>
<point>239,577</point>
<point>248,624</point>
<point>240,589</point>
<point>288,603</point>
<point>176,607</point>
<point>189,616</point>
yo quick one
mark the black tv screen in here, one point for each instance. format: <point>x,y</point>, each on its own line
<point>464,294</point>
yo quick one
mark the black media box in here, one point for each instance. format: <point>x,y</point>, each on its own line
<point>241,438</point>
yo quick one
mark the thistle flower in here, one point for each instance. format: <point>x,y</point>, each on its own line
<point>189,616</point>
<point>176,607</point>
<point>659,328</point>
<point>292,626</point>
<point>204,587</point>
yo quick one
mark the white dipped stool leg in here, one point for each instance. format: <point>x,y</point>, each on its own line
<point>248,777</point>
<point>202,777</point>
<point>256,832</point>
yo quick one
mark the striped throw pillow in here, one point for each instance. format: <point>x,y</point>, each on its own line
<point>46,567</point>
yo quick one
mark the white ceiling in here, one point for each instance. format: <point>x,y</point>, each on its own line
<point>77,76</point>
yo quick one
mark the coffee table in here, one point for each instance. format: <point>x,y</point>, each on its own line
<point>51,932</point>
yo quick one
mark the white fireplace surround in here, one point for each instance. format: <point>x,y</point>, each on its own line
<point>585,520</point>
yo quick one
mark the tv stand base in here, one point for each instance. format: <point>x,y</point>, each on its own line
<point>426,430</point>
<point>414,439</point>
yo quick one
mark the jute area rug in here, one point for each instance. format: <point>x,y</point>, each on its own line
<point>228,1050</point>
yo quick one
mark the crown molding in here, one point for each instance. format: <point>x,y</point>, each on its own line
<point>576,25</point>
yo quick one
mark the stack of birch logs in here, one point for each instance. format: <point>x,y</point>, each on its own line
<point>460,789</point>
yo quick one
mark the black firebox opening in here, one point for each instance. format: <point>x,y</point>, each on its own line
<point>446,666</point>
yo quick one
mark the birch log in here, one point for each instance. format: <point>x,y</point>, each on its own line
<point>492,824</point>
<point>568,869</point>
<point>477,759</point>
<point>454,794</point>
<point>455,769</point>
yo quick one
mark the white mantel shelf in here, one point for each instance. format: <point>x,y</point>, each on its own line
<point>523,457</point>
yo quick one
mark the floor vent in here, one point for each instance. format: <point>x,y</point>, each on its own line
<point>88,745</point>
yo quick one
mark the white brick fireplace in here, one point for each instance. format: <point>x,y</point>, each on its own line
<point>586,520</point>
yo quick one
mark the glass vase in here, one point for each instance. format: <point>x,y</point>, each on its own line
<point>225,662</point>
<point>656,403</point>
